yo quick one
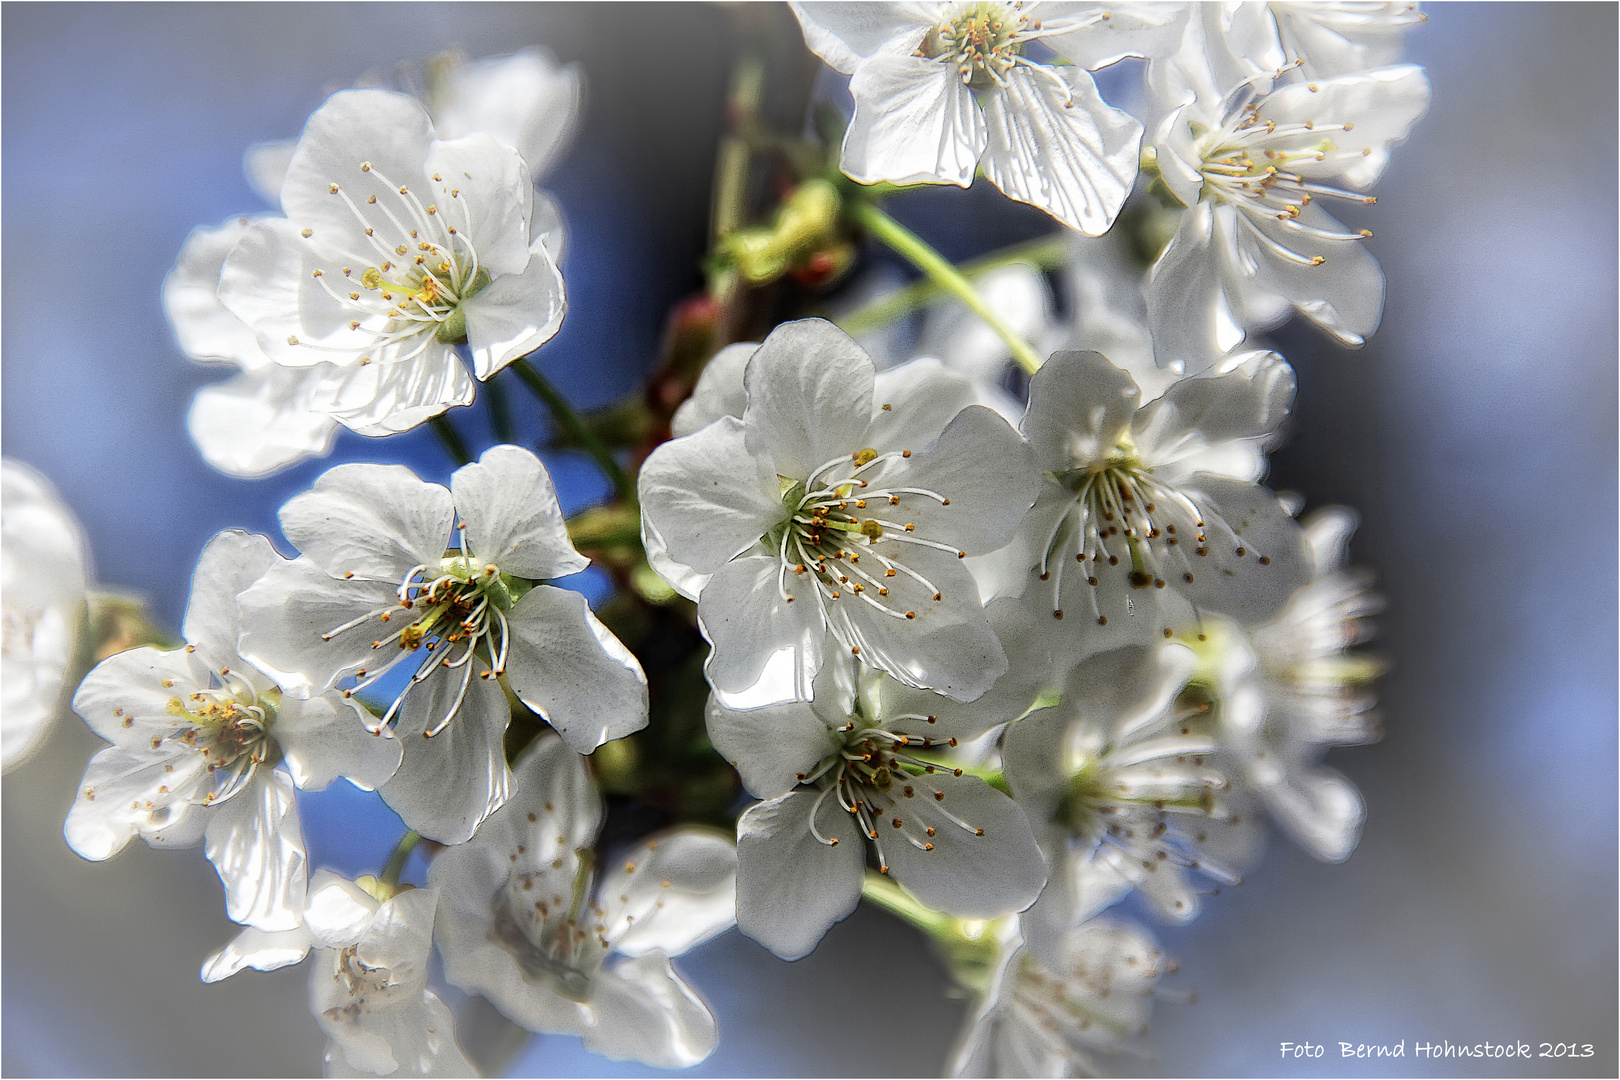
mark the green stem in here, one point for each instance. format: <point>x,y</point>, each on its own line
<point>731,168</point>
<point>500,411</point>
<point>576,427</point>
<point>915,250</point>
<point>396,861</point>
<point>882,890</point>
<point>1048,253</point>
<point>451,439</point>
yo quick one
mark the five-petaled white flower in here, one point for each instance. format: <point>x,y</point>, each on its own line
<point>197,734</point>
<point>1144,514</point>
<point>942,89</point>
<point>46,571</point>
<point>1116,782</point>
<point>1050,1016</point>
<point>1286,690</point>
<point>377,586</point>
<point>520,923</point>
<point>1253,156</point>
<point>859,768</point>
<point>827,511</point>
<point>396,247</point>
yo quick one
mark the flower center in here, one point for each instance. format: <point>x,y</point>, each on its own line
<point>229,725</point>
<point>1251,163</point>
<point>456,612</point>
<point>557,941</point>
<point>1119,511</point>
<point>832,522</point>
<point>876,779</point>
<point>404,289</point>
<point>984,41</point>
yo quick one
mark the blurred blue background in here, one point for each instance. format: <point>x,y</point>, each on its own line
<point>1476,434</point>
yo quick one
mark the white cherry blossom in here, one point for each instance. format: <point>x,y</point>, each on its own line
<point>942,89</point>
<point>831,517</point>
<point>858,769</point>
<point>380,583</point>
<point>46,570</point>
<point>1117,783</point>
<point>1054,1018</point>
<point>197,734</point>
<point>368,985</point>
<point>525,921</point>
<point>1149,512</point>
<point>1254,156</point>
<point>1287,690</point>
<point>397,245</point>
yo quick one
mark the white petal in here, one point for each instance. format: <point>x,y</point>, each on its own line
<point>791,887</point>
<point>1380,107</point>
<point>1343,294</point>
<point>125,701</point>
<point>915,401</point>
<point>449,783</point>
<point>508,507</point>
<point>390,132</point>
<point>1130,29</point>
<point>260,422</point>
<point>326,737</point>
<point>1193,318</point>
<point>809,398</point>
<point>525,100</point>
<point>982,466</point>
<point>386,398</point>
<point>288,612</point>
<point>338,911</point>
<point>670,893</point>
<point>516,313</point>
<point>1246,403</point>
<point>641,1010</point>
<point>1055,144</point>
<point>262,284</point>
<point>745,618</point>
<point>719,390</point>
<point>496,196</point>
<point>569,668</point>
<point>772,748</point>
<point>1079,406</point>
<point>1247,516</point>
<point>968,874</point>
<point>254,841</point>
<point>374,521</point>
<point>947,646</point>
<point>203,326</point>
<point>231,562</point>
<point>915,122</point>
<point>843,33</point>
<point>708,496</point>
<point>111,805</point>
<point>262,950</point>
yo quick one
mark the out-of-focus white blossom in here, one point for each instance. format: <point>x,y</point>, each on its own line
<point>942,89</point>
<point>856,770</point>
<point>197,734</point>
<point>1287,690</point>
<point>831,515</point>
<point>383,264</point>
<point>1253,154</point>
<point>1117,783</point>
<point>525,921</point>
<point>46,571</point>
<point>1053,1018</point>
<point>377,586</point>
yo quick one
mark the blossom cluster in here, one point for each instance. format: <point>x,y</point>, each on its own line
<point>993,629</point>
